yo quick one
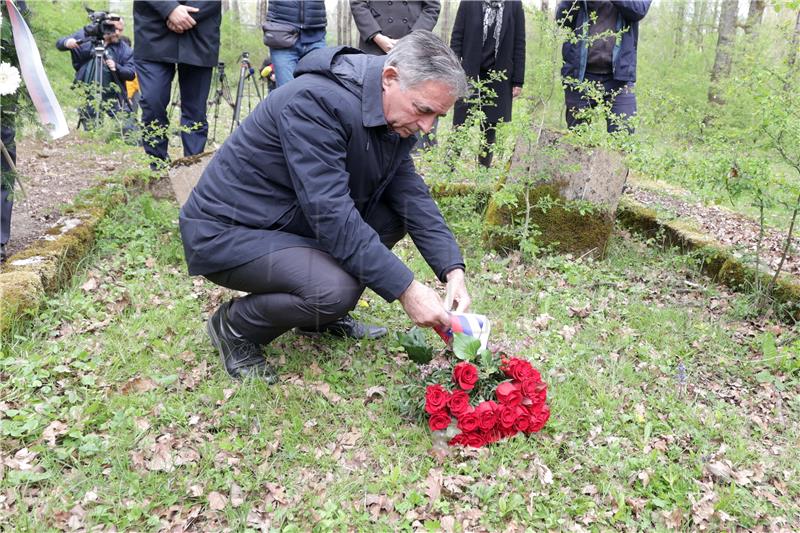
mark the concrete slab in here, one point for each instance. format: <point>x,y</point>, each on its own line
<point>185,173</point>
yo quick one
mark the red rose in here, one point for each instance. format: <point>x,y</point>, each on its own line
<point>473,439</point>
<point>436,398</point>
<point>508,415</point>
<point>465,375</point>
<point>487,414</point>
<point>468,422</point>
<point>535,391</point>
<point>439,421</point>
<point>493,435</point>
<point>539,418</point>
<point>458,440</point>
<point>508,393</point>
<point>523,420</point>
<point>519,369</point>
<point>459,403</point>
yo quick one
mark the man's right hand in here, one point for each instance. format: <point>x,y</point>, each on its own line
<point>71,43</point>
<point>180,19</point>
<point>423,306</point>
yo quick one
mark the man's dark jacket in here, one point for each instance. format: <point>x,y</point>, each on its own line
<point>394,19</point>
<point>305,15</point>
<point>306,168</point>
<point>82,57</point>
<point>575,15</point>
<point>198,46</point>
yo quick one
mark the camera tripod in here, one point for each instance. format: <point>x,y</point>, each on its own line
<point>222,92</point>
<point>98,63</point>
<point>246,71</point>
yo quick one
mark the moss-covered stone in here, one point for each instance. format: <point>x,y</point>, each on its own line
<point>20,292</point>
<point>717,260</point>
<point>560,226</point>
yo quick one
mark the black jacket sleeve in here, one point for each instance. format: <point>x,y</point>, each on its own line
<point>125,65</point>
<point>163,8</point>
<point>632,10</point>
<point>457,37</point>
<point>519,45</point>
<point>314,144</point>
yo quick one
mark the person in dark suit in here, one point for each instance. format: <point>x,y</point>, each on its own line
<point>170,36</point>
<point>490,36</point>
<point>302,204</point>
<point>380,24</point>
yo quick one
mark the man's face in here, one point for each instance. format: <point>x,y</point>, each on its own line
<point>415,108</point>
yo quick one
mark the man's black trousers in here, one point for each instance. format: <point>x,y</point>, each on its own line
<point>298,286</point>
<point>155,81</point>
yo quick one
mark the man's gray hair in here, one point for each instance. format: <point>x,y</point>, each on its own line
<point>421,56</point>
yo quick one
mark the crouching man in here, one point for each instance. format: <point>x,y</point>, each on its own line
<point>302,204</point>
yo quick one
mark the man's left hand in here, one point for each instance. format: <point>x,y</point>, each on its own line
<point>457,291</point>
<point>516,91</point>
<point>111,65</point>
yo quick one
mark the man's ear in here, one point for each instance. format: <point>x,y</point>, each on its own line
<point>389,76</point>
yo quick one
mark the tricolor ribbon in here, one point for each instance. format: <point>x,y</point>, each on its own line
<point>470,324</point>
<point>30,64</point>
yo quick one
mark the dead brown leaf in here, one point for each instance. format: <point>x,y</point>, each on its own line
<point>433,484</point>
<point>138,385</point>
<point>54,429</point>
<point>217,501</point>
<point>375,393</point>
<point>237,496</point>
<point>673,519</point>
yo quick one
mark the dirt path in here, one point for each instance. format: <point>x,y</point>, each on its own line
<point>729,228</point>
<point>53,173</point>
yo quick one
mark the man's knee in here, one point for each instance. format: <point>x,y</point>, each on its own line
<point>334,296</point>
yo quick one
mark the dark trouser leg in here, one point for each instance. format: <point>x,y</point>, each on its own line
<point>490,136</point>
<point>195,82</point>
<point>623,106</point>
<point>575,102</point>
<point>155,80</point>
<point>7,133</point>
<point>297,287</point>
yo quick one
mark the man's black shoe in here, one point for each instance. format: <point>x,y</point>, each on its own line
<point>3,255</point>
<point>346,326</point>
<point>240,357</point>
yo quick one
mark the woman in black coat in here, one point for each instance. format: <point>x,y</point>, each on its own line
<point>490,35</point>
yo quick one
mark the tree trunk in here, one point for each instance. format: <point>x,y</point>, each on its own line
<point>444,18</point>
<point>754,15</point>
<point>792,59</point>
<point>722,60</point>
<point>546,6</point>
<point>680,24</point>
<point>699,10</point>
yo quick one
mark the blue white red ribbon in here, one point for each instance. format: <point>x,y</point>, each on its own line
<point>477,326</point>
<point>30,65</point>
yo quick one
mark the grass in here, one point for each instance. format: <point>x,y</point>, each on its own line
<point>133,423</point>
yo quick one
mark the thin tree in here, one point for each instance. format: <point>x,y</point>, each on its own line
<point>699,10</point>
<point>755,15</point>
<point>792,59</point>
<point>722,60</point>
<point>680,23</point>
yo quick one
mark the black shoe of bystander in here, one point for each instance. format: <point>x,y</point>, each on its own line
<point>240,357</point>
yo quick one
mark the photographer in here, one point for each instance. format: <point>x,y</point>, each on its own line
<point>105,30</point>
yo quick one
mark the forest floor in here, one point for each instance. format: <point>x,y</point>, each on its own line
<point>673,405</point>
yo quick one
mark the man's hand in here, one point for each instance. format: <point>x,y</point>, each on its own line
<point>516,91</point>
<point>457,291</point>
<point>71,43</point>
<point>385,43</point>
<point>111,65</point>
<point>423,306</point>
<point>181,19</point>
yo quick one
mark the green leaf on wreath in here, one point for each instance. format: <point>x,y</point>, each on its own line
<point>416,345</point>
<point>466,347</point>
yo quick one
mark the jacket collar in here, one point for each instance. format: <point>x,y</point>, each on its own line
<point>372,94</point>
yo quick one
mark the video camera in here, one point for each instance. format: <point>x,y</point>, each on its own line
<point>101,24</point>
